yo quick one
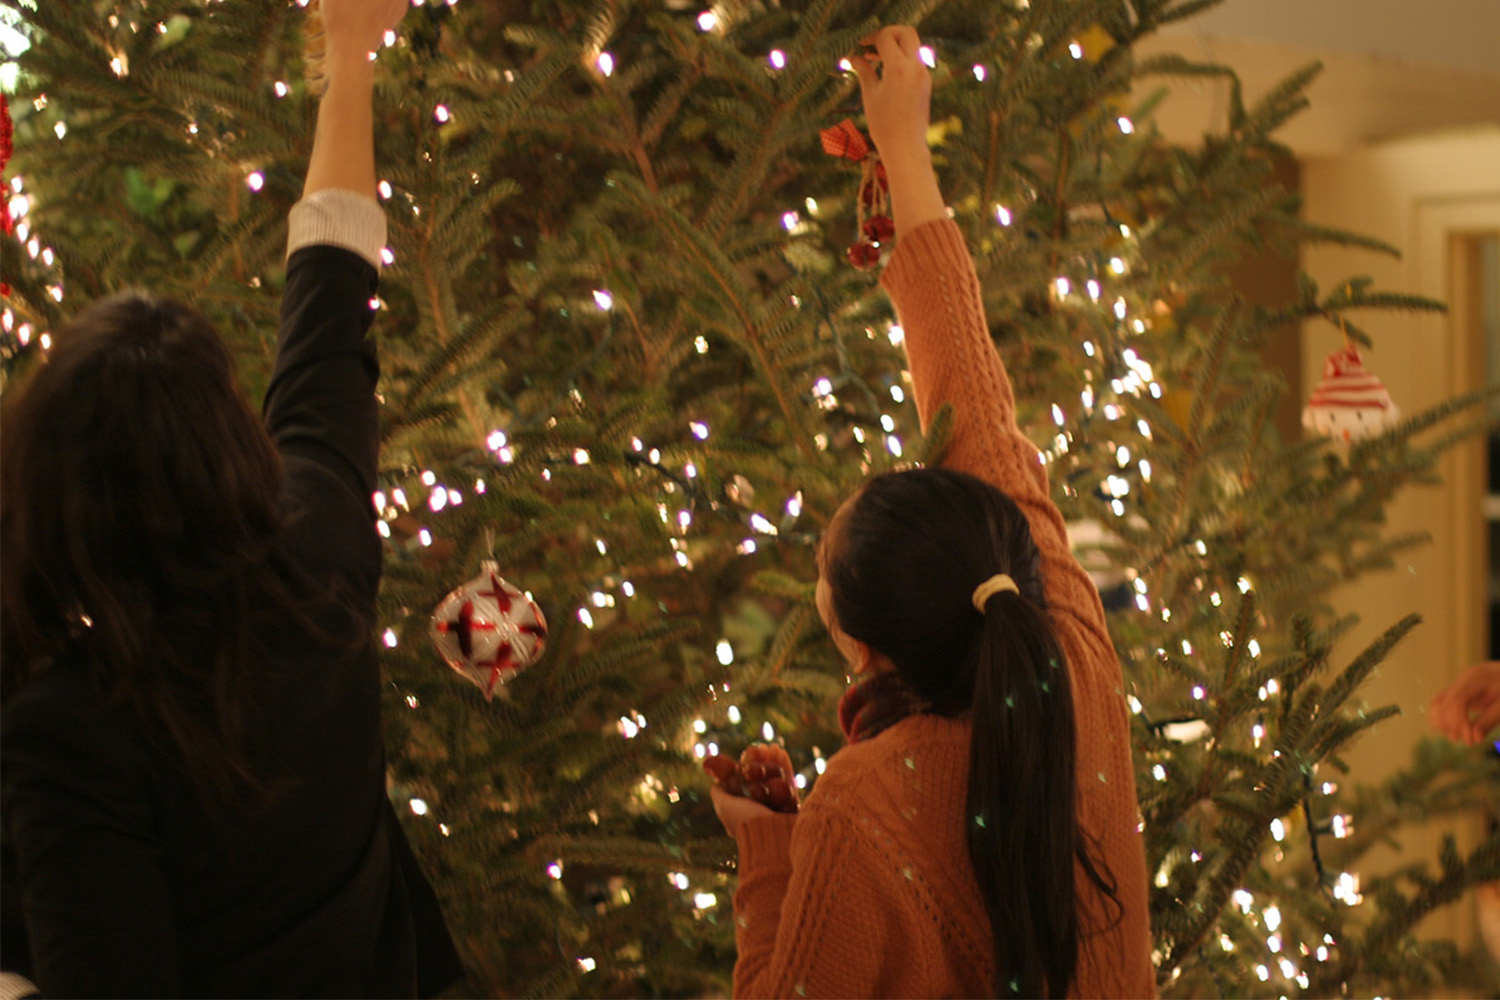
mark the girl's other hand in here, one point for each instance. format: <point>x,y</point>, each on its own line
<point>736,810</point>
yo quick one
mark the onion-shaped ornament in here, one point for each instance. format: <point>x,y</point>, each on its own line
<point>489,631</point>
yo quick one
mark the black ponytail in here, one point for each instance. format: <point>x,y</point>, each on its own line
<point>903,563</point>
<point>1023,829</point>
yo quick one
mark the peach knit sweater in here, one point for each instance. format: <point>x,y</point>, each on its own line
<point>869,891</point>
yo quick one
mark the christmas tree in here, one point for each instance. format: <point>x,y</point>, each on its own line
<point>626,358</point>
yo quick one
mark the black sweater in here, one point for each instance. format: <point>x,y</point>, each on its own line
<point>127,886</point>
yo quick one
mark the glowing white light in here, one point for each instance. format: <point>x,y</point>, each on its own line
<point>1126,125</point>
<point>606,63</point>
<point>384,189</point>
<point>760,524</point>
<point>1134,703</point>
<point>734,714</point>
<point>893,445</point>
<point>387,256</point>
<point>928,57</point>
<point>1244,585</point>
<point>799,781</point>
<point>767,733</point>
<point>555,869</point>
<point>585,617</point>
<point>389,638</point>
<point>627,588</point>
<point>1122,455</point>
<point>820,765</point>
<point>897,394</point>
<point>496,440</point>
<point>418,807</point>
<point>255,180</point>
<point>1341,826</point>
<point>1278,832</point>
<point>1093,289</point>
<point>280,87</point>
<point>1273,943</point>
<point>603,299</point>
<point>587,964</point>
<point>628,728</point>
<point>1254,648</point>
<point>1075,50</point>
<point>1262,972</point>
<point>699,429</point>
<point>980,72</point>
<point>1002,215</point>
<point>441,114</point>
<point>700,344</point>
<point>846,66</point>
<point>61,129</point>
<point>777,58</point>
<point>679,880</point>
<point>1063,286</point>
<point>581,456</point>
<point>1159,773</point>
<point>1198,691</point>
<point>896,335</point>
<point>704,900</point>
<point>1117,265</point>
<point>424,536</point>
<point>439,498</point>
<point>789,220</point>
<point>1272,915</point>
<point>1243,900</point>
<point>708,21</point>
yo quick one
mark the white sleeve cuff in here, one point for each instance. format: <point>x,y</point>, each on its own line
<point>13,986</point>
<point>340,218</point>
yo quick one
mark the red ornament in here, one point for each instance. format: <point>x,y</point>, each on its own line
<point>764,773</point>
<point>847,142</point>
<point>489,631</point>
<point>1350,403</point>
<point>864,256</point>
<point>7,133</point>
<point>879,228</point>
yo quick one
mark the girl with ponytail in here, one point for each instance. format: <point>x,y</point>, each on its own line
<point>978,836</point>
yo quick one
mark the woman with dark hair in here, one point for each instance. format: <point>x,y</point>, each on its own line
<point>979,834</point>
<point>193,776</point>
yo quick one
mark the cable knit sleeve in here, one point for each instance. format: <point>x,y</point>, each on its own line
<point>932,283</point>
<point>814,911</point>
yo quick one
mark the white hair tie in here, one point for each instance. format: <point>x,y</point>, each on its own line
<point>991,587</point>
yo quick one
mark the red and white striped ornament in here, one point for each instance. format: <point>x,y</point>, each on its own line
<point>489,631</point>
<point>1350,403</point>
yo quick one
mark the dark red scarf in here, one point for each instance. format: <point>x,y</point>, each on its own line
<point>875,704</point>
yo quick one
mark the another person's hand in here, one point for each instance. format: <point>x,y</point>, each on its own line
<point>736,810</point>
<point>1469,708</point>
<point>358,27</point>
<point>898,98</point>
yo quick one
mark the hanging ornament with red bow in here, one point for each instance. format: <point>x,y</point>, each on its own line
<point>488,630</point>
<point>876,228</point>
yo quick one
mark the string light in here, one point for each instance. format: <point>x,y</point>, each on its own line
<point>777,58</point>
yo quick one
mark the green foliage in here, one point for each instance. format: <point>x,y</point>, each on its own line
<point>664,466</point>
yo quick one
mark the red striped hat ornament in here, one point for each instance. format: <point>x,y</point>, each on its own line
<point>489,631</point>
<point>1350,403</point>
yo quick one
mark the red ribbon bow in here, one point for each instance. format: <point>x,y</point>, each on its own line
<point>846,140</point>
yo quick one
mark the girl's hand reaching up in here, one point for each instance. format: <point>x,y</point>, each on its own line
<point>897,98</point>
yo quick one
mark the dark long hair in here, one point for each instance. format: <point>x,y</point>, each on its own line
<point>138,502</point>
<point>903,566</point>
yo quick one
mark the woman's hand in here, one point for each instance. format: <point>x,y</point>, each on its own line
<point>736,810</point>
<point>898,97</point>
<point>898,103</point>
<point>1469,708</point>
<point>357,27</point>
